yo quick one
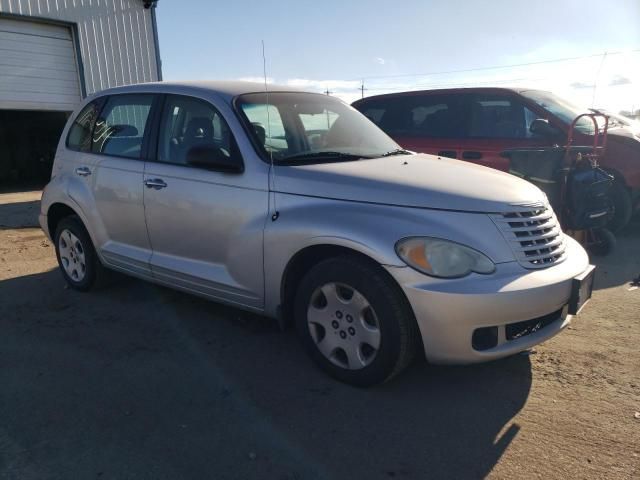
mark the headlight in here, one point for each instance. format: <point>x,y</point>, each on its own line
<point>442,258</point>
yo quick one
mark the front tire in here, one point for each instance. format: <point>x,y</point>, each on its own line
<point>76,254</point>
<point>354,321</point>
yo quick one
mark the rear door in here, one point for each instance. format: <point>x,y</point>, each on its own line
<point>497,122</point>
<point>206,226</point>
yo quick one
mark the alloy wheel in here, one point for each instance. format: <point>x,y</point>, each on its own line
<point>72,255</point>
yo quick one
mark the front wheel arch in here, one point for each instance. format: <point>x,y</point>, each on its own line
<point>304,260</point>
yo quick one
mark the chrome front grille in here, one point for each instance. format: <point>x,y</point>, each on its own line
<point>534,234</point>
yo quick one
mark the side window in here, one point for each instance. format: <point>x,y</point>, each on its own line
<point>438,116</point>
<point>433,116</point>
<point>188,122</point>
<point>374,113</point>
<point>79,137</point>
<point>529,117</point>
<point>120,129</point>
<point>268,126</point>
<point>496,116</point>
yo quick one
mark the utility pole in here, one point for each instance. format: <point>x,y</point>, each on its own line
<point>362,89</point>
<point>327,91</point>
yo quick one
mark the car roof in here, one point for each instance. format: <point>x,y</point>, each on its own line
<point>226,89</point>
<point>452,91</point>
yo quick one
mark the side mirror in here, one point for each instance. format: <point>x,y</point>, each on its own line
<point>543,128</point>
<point>213,158</point>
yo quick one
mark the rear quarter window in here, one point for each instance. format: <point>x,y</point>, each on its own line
<point>79,137</point>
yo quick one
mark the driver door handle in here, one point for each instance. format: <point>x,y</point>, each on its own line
<point>83,171</point>
<point>156,183</point>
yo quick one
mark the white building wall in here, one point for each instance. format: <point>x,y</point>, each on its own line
<point>116,37</point>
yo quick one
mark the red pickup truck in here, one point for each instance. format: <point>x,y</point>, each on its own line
<point>477,124</point>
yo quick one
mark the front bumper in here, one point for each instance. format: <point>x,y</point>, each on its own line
<point>449,311</point>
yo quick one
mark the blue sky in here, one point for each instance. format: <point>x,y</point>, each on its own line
<point>334,44</point>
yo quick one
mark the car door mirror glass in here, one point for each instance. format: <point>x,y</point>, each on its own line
<point>212,157</point>
<point>541,127</point>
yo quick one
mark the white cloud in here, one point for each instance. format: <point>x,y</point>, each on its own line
<point>582,85</point>
<point>256,79</point>
<point>619,80</point>
<point>380,60</point>
<point>322,84</point>
<point>346,90</point>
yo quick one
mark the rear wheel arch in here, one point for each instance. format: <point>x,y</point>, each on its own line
<point>622,197</point>
<point>55,214</point>
<point>617,175</point>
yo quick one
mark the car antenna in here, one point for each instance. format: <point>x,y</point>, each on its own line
<point>272,173</point>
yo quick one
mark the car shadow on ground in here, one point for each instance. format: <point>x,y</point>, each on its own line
<point>621,266</point>
<point>19,214</point>
<point>136,380</point>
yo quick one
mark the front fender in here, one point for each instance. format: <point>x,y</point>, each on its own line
<point>370,229</point>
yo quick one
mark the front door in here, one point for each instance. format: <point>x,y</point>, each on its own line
<point>497,122</point>
<point>206,226</point>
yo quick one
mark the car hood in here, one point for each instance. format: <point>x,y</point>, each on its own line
<point>423,181</point>
<point>624,132</point>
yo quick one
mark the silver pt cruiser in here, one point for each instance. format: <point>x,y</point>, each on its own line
<point>294,205</point>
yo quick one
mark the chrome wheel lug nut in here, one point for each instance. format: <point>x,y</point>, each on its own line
<point>349,318</point>
<point>343,334</point>
<point>338,314</point>
<point>335,324</point>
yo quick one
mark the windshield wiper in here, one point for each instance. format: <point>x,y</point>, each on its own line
<point>397,151</point>
<point>318,156</point>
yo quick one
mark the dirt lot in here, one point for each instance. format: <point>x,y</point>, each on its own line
<point>137,381</point>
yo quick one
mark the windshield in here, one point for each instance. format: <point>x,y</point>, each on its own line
<point>616,120</point>
<point>301,128</point>
<point>563,109</point>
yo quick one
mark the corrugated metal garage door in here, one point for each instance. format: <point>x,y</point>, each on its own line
<point>38,68</point>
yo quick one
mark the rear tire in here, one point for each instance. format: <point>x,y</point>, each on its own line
<point>623,206</point>
<point>364,331</point>
<point>76,254</point>
<point>604,242</point>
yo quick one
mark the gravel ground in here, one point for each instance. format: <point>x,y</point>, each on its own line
<point>138,381</point>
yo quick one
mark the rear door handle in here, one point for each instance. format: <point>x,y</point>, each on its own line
<point>448,153</point>
<point>156,183</point>
<point>469,155</point>
<point>83,171</point>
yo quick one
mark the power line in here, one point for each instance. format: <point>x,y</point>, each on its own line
<point>496,67</point>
